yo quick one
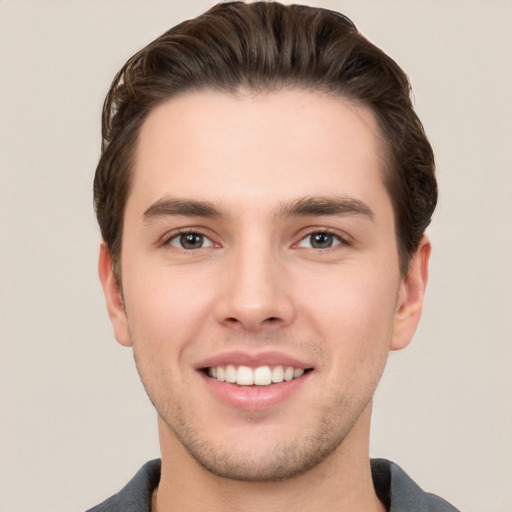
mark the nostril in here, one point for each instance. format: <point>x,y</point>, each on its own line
<point>252,322</point>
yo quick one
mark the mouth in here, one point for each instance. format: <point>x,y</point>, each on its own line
<point>257,381</point>
<point>242,375</point>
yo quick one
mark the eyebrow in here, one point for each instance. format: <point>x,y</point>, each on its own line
<point>302,207</point>
<point>182,207</point>
<point>325,205</point>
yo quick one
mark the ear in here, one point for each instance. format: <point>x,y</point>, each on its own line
<point>113,297</point>
<point>410,298</point>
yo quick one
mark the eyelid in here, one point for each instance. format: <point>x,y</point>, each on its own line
<point>175,233</point>
<point>175,241</point>
<point>344,238</point>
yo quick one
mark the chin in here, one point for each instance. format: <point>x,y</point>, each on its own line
<point>283,464</point>
<point>265,457</point>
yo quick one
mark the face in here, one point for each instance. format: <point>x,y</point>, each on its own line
<point>260,277</point>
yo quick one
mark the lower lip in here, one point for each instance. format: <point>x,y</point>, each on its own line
<point>254,398</point>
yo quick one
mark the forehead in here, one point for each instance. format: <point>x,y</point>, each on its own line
<point>252,147</point>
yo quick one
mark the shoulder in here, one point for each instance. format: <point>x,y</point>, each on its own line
<point>136,494</point>
<point>400,493</point>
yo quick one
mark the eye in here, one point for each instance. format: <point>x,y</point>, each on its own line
<point>320,240</point>
<point>190,241</point>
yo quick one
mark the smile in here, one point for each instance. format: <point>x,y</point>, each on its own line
<point>260,376</point>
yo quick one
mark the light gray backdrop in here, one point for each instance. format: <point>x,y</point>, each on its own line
<point>75,422</point>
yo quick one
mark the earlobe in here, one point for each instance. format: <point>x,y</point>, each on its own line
<point>113,297</point>
<point>411,296</point>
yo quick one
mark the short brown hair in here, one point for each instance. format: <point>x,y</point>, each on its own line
<point>264,46</point>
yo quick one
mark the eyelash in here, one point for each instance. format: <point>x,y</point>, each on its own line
<point>342,240</point>
<point>186,231</point>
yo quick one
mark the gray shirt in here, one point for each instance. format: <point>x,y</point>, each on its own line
<point>392,485</point>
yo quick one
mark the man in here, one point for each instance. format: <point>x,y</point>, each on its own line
<point>262,193</point>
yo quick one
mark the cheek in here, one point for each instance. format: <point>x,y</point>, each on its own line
<point>353,312</point>
<point>164,322</point>
<point>164,313</point>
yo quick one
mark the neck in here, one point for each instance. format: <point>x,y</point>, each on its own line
<point>341,482</point>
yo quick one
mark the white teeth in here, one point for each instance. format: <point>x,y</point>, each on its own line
<point>277,374</point>
<point>230,373</point>
<point>288,373</point>
<point>244,376</point>
<point>260,376</point>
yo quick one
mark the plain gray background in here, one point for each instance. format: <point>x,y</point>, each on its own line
<point>75,422</point>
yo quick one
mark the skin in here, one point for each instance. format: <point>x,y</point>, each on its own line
<point>259,284</point>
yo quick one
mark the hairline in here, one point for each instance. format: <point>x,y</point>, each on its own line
<point>241,90</point>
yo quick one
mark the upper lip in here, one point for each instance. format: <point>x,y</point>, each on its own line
<point>267,358</point>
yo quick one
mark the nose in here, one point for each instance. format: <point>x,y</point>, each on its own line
<point>256,292</point>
